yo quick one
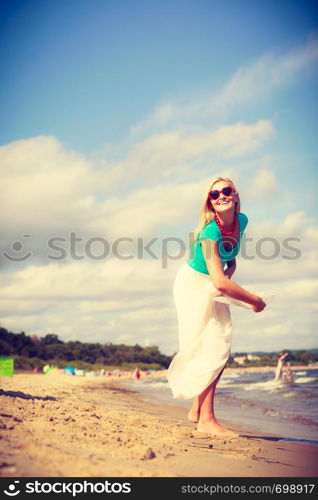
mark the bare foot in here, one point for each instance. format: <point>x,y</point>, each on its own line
<point>213,427</point>
<point>193,416</point>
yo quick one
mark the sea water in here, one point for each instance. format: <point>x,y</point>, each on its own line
<point>253,401</point>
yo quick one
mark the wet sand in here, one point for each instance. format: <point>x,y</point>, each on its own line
<point>62,426</point>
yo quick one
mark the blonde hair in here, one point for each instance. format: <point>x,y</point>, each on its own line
<point>207,213</point>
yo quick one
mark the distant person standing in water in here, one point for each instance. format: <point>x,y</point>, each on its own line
<point>205,328</point>
<point>287,375</point>
<point>279,367</point>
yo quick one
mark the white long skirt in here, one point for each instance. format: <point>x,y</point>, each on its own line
<point>205,334</point>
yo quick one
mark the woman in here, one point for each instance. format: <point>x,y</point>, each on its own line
<point>204,323</point>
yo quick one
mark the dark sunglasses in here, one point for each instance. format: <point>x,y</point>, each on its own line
<point>227,191</point>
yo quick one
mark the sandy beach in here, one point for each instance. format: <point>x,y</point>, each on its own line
<point>69,426</point>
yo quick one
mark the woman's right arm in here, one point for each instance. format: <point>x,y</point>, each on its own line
<point>213,261</point>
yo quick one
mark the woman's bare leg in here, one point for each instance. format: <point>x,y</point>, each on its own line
<point>207,420</point>
<point>194,413</point>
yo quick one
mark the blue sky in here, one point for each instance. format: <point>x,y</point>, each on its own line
<point>114,114</point>
<point>86,70</point>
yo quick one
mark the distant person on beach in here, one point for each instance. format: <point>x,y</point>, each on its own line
<point>287,375</point>
<point>137,373</point>
<point>279,367</point>
<point>205,324</point>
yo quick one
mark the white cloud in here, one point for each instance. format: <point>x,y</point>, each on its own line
<point>23,307</point>
<point>49,191</point>
<point>264,184</point>
<point>247,85</point>
<point>179,145</point>
<point>43,184</point>
<point>268,72</point>
<point>277,331</point>
<point>311,234</point>
<point>150,315</point>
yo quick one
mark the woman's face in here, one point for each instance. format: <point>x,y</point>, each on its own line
<point>223,203</point>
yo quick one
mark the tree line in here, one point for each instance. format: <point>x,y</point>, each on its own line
<point>51,347</point>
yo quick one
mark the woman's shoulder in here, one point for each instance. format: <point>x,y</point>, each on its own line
<point>243,220</point>
<point>242,216</point>
<point>210,223</point>
<point>210,230</point>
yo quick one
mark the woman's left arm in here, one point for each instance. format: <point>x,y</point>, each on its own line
<point>231,267</point>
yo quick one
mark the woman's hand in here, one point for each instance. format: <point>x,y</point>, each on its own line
<point>231,267</point>
<point>259,305</point>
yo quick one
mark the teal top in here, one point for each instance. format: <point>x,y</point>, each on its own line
<point>211,231</point>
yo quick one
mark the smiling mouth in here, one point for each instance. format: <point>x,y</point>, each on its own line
<point>224,202</point>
